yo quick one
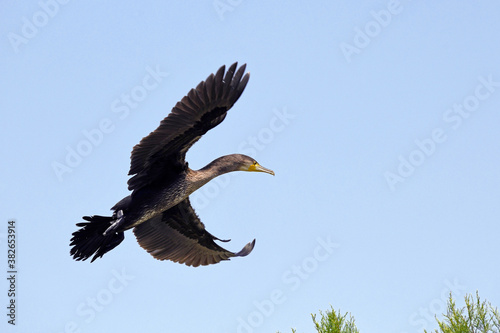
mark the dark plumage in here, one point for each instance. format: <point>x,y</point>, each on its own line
<point>158,208</point>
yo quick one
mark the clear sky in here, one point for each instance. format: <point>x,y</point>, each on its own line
<point>380,118</point>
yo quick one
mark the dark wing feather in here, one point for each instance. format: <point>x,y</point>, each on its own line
<point>162,153</point>
<point>179,235</point>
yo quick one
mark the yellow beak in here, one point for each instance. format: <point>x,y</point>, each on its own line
<point>258,168</point>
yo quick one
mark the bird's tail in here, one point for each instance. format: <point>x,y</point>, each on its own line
<point>90,238</point>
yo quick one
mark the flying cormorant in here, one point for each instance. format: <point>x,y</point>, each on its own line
<point>158,209</point>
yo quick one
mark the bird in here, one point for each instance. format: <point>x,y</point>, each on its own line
<point>158,208</point>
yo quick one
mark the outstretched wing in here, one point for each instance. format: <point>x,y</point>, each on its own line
<point>179,235</point>
<point>162,153</point>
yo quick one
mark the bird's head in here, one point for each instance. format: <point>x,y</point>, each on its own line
<point>234,162</point>
<point>246,163</point>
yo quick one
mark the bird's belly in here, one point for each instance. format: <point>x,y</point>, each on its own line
<point>153,203</point>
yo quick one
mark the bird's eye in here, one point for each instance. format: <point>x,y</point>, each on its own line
<point>254,162</point>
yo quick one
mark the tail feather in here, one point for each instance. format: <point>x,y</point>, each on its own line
<point>89,239</point>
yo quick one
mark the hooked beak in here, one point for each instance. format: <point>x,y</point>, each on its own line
<point>258,168</point>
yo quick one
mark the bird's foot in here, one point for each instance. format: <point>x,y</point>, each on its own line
<point>116,223</point>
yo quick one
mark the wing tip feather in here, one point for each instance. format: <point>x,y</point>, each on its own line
<point>246,250</point>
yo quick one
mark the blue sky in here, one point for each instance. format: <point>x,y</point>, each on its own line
<point>380,119</point>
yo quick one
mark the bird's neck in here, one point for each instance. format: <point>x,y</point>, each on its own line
<point>213,169</point>
<point>217,167</point>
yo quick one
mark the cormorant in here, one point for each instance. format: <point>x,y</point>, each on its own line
<point>158,209</point>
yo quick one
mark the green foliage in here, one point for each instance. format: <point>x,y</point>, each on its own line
<point>475,317</point>
<point>333,322</point>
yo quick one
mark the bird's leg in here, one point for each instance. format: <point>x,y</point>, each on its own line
<point>118,221</point>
